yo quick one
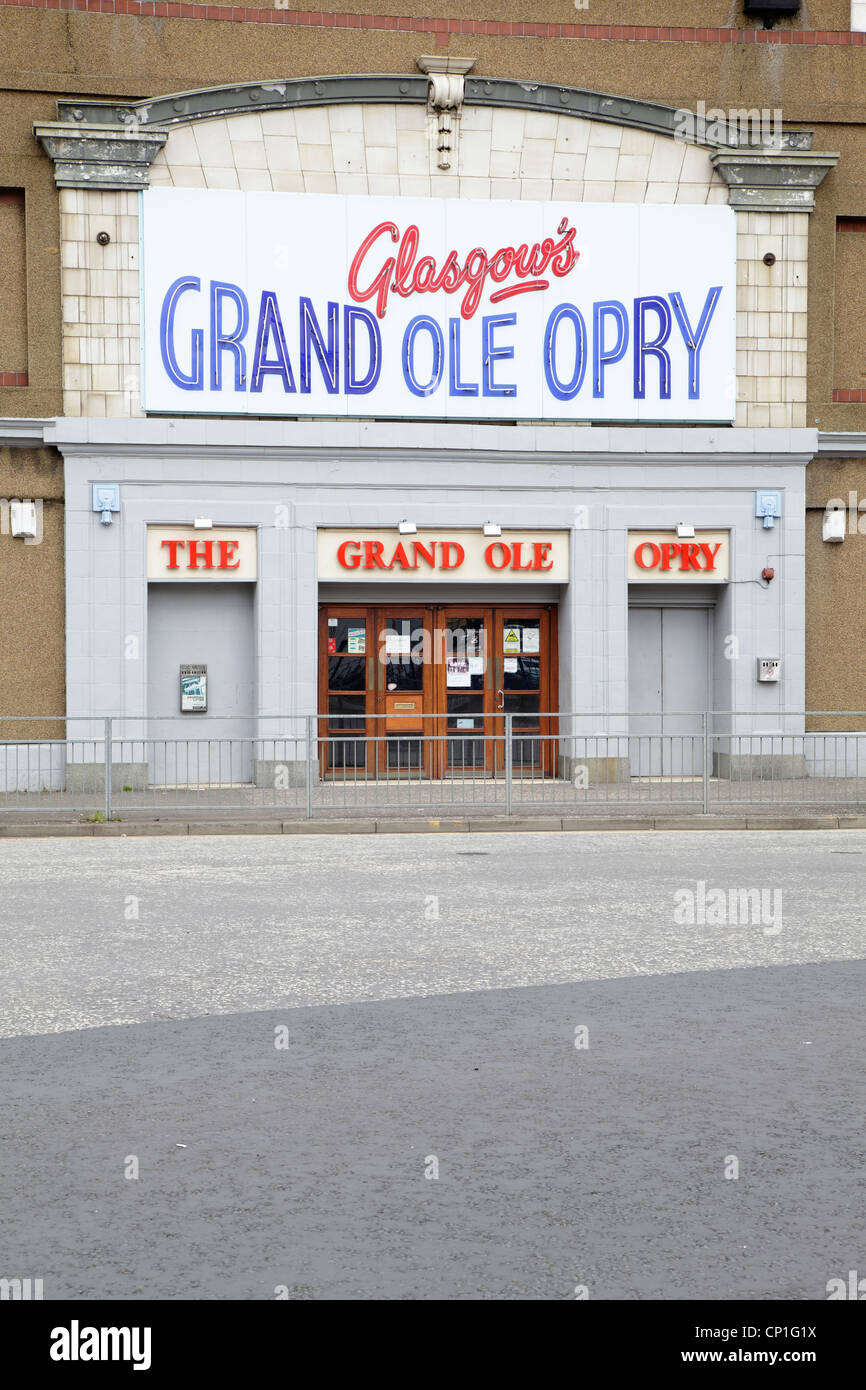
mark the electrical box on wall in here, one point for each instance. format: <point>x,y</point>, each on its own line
<point>833,525</point>
<point>769,668</point>
<point>769,506</point>
<point>22,517</point>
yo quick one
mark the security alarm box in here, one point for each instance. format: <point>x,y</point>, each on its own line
<point>833,525</point>
<point>22,516</point>
<point>769,668</point>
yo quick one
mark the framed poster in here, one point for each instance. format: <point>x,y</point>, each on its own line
<point>193,690</point>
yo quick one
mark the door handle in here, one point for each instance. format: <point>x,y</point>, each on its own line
<point>500,700</point>
<point>371,679</point>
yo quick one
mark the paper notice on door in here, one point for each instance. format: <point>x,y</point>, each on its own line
<point>457,672</point>
<point>476,665</point>
<point>510,665</point>
<point>396,644</point>
<point>356,639</point>
<point>531,636</point>
<point>511,642</point>
<point>465,723</point>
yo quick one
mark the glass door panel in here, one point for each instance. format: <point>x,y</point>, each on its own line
<point>437,680</point>
<point>463,639</point>
<point>345,688</point>
<point>403,638</point>
<point>523,686</point>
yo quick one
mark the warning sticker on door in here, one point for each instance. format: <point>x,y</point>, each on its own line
<point>512,639</point>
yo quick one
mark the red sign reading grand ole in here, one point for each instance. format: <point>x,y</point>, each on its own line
<point>445,555</point>
<point>441,557</point>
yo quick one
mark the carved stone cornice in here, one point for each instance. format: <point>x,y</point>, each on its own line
<point>100,156</point>
<point>772,181</point>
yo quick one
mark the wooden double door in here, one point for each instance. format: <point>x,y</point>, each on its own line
<point>422,689</point>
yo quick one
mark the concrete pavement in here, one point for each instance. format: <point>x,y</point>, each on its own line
<point>433,1067</point>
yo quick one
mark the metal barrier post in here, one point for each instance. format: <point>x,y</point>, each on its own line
<point>705,728</point>
<point>108,769</point>
<point>310,736</point>
<point>508,764</point>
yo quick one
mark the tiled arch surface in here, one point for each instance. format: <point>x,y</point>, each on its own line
<point>391,150</point>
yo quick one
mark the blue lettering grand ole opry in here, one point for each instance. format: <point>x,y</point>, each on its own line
<point>592,330</point>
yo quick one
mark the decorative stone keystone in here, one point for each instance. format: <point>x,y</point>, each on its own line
<point>445,101</point>
<point>780,181</point>
<point>100,156</point>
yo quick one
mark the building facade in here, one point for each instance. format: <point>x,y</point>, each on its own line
<point>409,401</point>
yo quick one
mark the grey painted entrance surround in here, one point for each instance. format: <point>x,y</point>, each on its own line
<point>287,478</point>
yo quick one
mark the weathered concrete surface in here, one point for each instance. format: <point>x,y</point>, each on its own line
<point>411,1037</point>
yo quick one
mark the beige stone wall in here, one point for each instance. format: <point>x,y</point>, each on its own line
<point>771,319</point>
<point>100,287</point>
<point>391,150</point>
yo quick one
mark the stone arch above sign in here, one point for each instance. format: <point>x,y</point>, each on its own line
<point>389,150</point>
<point>181,107</point>
<point>375,135</point>
<point>97,144</point>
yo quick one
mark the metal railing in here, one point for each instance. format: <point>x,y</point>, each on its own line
<point>502,764</point>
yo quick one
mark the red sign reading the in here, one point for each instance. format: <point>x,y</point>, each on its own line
<point>200,554</point>
<point>404,275</point>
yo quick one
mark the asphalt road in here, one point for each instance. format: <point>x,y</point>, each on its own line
<point>427,1127</point>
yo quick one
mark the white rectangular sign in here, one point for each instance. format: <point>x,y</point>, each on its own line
<point>217,553</point>
<point>664,557</point>
<point>537,557</point>
<point>290,304</point>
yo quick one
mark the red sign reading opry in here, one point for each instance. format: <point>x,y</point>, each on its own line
<point>692,555</point>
